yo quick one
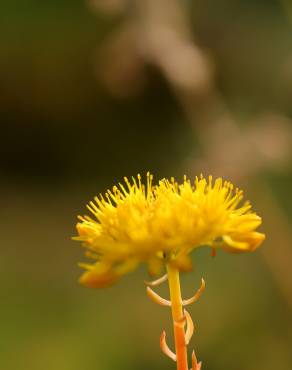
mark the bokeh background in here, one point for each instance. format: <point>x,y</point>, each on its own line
<point>94,90</point>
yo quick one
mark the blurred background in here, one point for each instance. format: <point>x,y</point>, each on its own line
<point>94,90</point>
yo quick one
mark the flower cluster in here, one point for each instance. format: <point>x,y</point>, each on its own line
<point>163,223</point>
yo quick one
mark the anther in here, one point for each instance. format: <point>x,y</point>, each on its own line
<point>196,296</point>
<point>156,298</point>
<point>164,347</point>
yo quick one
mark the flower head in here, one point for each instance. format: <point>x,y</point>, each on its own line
<point>161,223</point>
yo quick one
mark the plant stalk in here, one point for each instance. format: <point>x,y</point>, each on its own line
<point>177,316</point>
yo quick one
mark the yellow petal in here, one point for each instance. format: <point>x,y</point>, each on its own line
<point>98,279</point>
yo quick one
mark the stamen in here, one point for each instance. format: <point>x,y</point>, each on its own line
<point>100,201</point>
<point>149,190</point>
<point>123,189</point>
<point>127,182</point>
<point>139,181</point>
<point>93,206</point>
<point>90,209</point>
<point>196,296</point>
<point>164,347</point>
<point>156,298</point>
<point>136,187</point>
<point>159,281</point>
<point>108,197</point>
<point>190,327</point>
<point>114,197</point>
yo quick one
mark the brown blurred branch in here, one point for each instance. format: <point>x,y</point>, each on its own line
<point>158,32</point>
<point>287,6</point>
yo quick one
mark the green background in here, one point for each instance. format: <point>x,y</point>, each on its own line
<point>65,137</point>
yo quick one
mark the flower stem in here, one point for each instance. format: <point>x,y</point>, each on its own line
<point>177,316</point>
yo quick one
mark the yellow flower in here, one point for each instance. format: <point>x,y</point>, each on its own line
<point>161,224</point>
